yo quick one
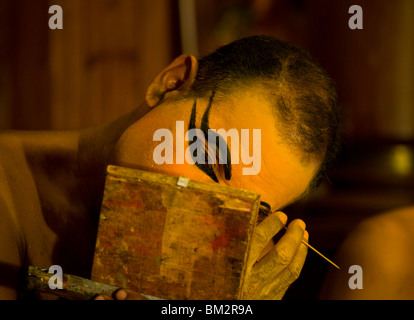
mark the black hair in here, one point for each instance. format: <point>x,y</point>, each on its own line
<point>303,95</point>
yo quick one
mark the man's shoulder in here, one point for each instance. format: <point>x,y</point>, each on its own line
<point>384,240</point>
<point>11,149</point>
<point>9,169</point>
<point>397,224</point>
<point>11,244</point>
<point>12,155</point>
<point>15,176</point>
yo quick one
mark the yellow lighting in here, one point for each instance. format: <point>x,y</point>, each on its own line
<point>402,160</point>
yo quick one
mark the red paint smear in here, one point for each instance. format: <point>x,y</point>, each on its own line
<point>220,241</point>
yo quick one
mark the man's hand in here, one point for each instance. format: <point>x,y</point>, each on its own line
<point>272,268</point>
<point>122,294</point>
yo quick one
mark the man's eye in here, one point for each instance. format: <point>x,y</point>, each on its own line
<point>206,167</point>
<point>212,156</point>
<point>222,155</point>
<point>207,157</point>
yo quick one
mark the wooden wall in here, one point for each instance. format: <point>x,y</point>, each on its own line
<point>94,70</point>
<point>100,64</point>
<point>4,64</point>
<point>25,64</point>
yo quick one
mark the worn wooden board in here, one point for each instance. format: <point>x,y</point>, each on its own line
<point>171,241</point>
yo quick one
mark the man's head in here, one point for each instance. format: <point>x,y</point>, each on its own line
<point>253,83</point>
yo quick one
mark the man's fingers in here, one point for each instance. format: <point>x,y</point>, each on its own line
<point>264,233</point>
<point>272,275</point>
<point>103,297</point>
<point>284,251</point>
<point>125,294</point>
<point>294,269</point>
<point>280,282</point>
<point>122,294</point>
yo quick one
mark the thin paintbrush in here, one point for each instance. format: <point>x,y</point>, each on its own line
<point>309,246</point>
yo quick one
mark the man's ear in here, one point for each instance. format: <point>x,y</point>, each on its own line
<point>173,80</point>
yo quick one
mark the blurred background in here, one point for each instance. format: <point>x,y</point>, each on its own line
<point>99,66</point>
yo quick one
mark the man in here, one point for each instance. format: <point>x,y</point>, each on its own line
<point>52,182</point>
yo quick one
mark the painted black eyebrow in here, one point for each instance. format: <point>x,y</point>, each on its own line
<point>205,127</point>
<point>207,167</point>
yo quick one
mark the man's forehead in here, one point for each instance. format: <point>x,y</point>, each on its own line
<point>242,110</point>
